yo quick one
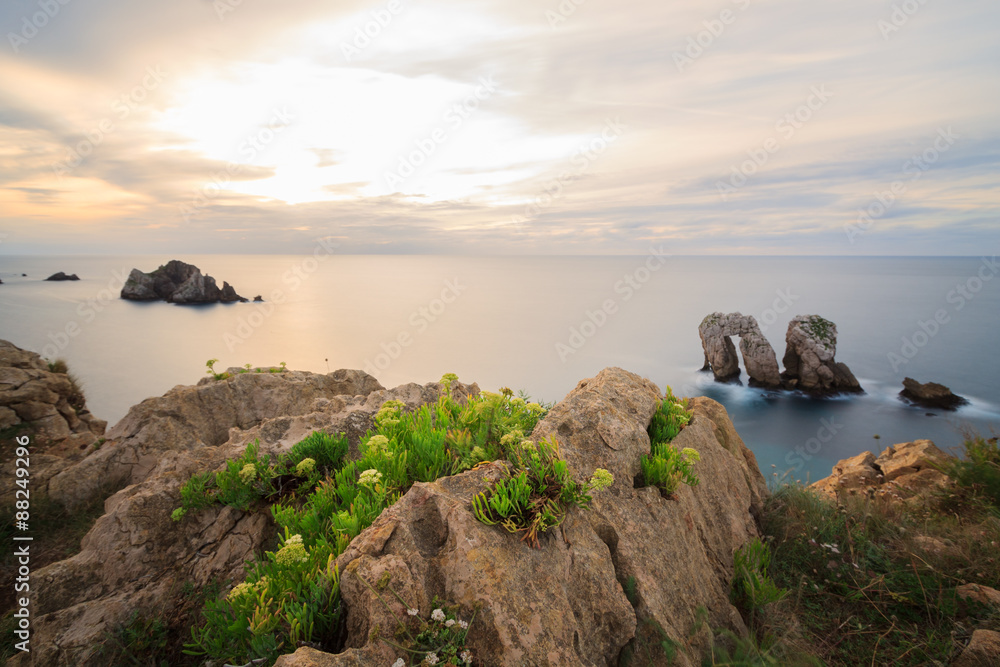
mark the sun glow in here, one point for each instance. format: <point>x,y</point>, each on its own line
<point>331,129</point>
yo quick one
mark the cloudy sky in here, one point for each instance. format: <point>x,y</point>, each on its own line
<point>500,126</point>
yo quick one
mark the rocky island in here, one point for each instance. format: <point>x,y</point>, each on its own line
<point>58,277</point>
<point>810,347</point>
<point>177,282</point>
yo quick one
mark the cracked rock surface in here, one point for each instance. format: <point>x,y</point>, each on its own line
<point>136,558</point>
<point>564,603</point>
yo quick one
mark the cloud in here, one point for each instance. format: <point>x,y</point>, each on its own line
<point>92,140</point>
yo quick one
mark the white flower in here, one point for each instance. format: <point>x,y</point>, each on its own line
<point>370,477</point>
<point>463,625</point>
<point>412,612</point>
<point>399,663</point>
<point>450,622</point>
<point>431,659</point>
<point>466,657</point>
<point>438,615</point>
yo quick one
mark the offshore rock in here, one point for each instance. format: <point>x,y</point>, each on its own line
<point>811,345</point>
<point>62,276</point>
<point>720,354</point>
<point>930,395</point>
<point>564,603</point>
<point>177,282</point>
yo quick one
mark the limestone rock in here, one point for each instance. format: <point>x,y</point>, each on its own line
<point>136,556</point>
<point>50,409</point>
<point>930,395</point>
<point>980,594</point>
<point>153,434</point>
<point>811,344</point>
<point>856,472</point>
<point>903,471</point>
<point>983,650</point>
<point>566,605</point>
<point>177,282</point>
<point>62,276</point>
<point>720,354</point>
<point>910,457</point>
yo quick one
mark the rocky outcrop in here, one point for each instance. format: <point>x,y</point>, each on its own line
<point>152,438</point>
<point>177,282</point>
<point>983,650</point>
<point>811,345</point>
<point>901,471</point>
<point>48,407</point>
<point>564,603</point>
<point>135,557</point>
<point>930,395</point>
<point>62,276</point>
<point>720,354</point>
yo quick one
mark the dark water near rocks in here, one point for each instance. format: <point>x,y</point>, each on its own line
<point>540,324</point>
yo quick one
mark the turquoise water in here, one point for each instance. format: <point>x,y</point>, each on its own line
<point>540,324</point>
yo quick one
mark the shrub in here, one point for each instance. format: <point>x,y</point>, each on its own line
<point>536,498</point>
<point>979,470</point>
<point>666,467</point>
<point>752,585</point>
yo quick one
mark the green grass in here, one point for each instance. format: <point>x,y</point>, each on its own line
<point>864,590</point>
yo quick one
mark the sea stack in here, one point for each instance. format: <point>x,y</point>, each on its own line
<point>811,345</point>
<point>720,353</point>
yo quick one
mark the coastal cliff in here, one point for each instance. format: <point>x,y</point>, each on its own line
<point>630,572</point>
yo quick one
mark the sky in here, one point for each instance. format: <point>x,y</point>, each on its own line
<point>857,127</point>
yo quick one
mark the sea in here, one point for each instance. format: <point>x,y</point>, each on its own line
<point>540,325</point>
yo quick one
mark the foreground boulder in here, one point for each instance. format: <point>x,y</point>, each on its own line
<point>902,471</point>
<point>720,353</point>
<point>564,603</point>
<point>135,558</point>
<point>49,408</point>
<point>983,650</point>
<point>811,345</point>
<point>930,395</point>
<point>62,276</point>
<point>177,282</point>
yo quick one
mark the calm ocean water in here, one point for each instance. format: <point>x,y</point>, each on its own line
<point>540,324</point>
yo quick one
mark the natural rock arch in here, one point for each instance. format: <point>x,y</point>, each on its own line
<point>720,353</point>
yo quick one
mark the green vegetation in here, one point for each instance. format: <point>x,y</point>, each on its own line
<point>651,644</point>
<point>873,580</point>
<point>321,502</point>
<point>666,467</point>
<point>75,398</point>
<point>140,641</point>
<point>438,640</point>
<point>819,329</point>
<point>753,588</point>
<point>247,368</point>
<point>978,473</point>
<point>537,497</point>
<point>56,536</point>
